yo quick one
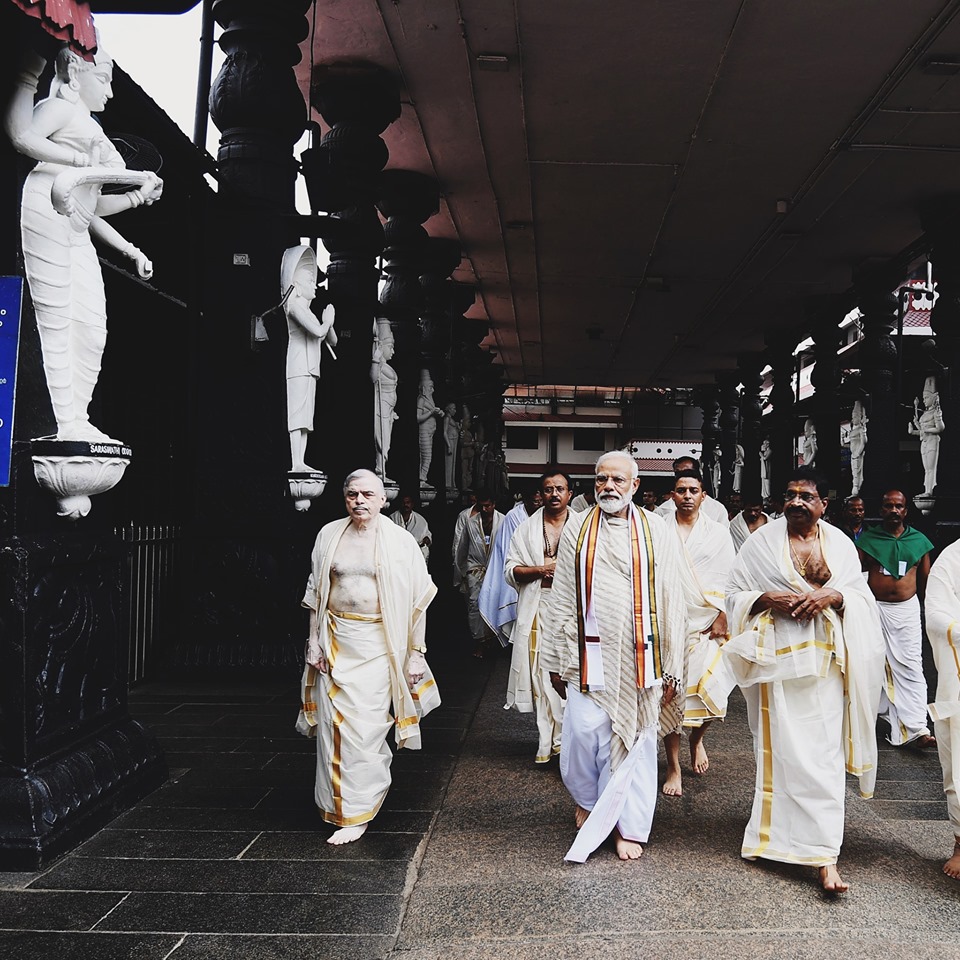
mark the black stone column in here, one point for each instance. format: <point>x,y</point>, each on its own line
<point>878,361</point>
<point>782,430</point>
<point>729,431</point>
<point>707,400</point>
<point>825,379</point>
<point>751,434</point>
<point>406,199</point>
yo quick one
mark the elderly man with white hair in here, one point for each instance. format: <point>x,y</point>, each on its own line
<point>613,646</point>
<point>368,592</point>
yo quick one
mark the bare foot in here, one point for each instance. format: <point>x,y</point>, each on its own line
<point>952,867</point>
<point>580,816</point>
<point>347,834</point>
<point>923,743</point>
<point>698,756</point>
<point>831,881</point>
<point>673,785</point>
<point>627,849</point>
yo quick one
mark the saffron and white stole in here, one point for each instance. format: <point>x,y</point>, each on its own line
<point>646,637</point>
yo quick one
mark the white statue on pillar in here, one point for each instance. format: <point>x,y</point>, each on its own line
<point>427,415</point>
<point>766,453</point>
<point>306,335</point>
<point>451,436</point>
<point>928,425</point>
<point>715,472</point>
<point>809,443</point>
<point>384,379</point>
<point>858,445</point>
<point>737,468</point>
<point>62,210</point>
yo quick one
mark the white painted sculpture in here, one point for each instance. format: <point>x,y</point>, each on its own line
<point>306,335</point>
<point>928,425</point>
<point>451,437</point>
<point>427,415</point>
<point>715,472</point>
<point>809,443</point>
<point>62,211</point>
<point>737,469</point>
<point>384,379</point>
<point>766,453</point>
<point>468,450</point>
<point>858,445</point>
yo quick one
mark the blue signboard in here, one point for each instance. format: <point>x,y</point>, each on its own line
<point>11,291</point>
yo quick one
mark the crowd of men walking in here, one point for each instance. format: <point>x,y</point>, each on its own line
<point>630,624</point>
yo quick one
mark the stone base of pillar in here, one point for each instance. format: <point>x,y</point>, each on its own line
<point>71,757</point>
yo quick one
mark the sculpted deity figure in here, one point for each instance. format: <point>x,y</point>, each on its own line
<point>306,335</point>
<point>468,450</point>
<point>737,469</point>
<point>384,379</point>
<point>427,415</point>
<point>451,437</point>
<point>62,211</point>
<point>809,443</point>
<point>928,425</point>
<point>858,445</point>
<point>715,472</point>
<point>766,453</point>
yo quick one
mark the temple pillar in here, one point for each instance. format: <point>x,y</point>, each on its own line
<point>878,361</point>
<point>708,401</point>
<point>729,430</point>
<point>825,379</point>
<point>406,199</point>
<point>751,434</point>
<point>782,426</point>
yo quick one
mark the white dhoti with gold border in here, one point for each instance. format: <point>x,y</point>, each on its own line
<point>903,702</point>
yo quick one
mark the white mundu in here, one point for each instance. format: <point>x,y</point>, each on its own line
<point>528,687</point>
<point>942,611</point>
<point>739,531</point>
<point>812,690</point>
<point>711,508</point>
<point>473,552</point>
<point>351,707</point>
<point>705,562</point>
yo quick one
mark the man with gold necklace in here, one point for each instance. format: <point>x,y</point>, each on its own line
<point>808,654</point>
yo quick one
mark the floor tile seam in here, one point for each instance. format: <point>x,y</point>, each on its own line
<point>114,907</point>
<point>176,947</point>
<point>413,869</point>
<point>179,891</point>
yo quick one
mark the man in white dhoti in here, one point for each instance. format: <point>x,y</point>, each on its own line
<point>497,601</point>
<point>706,557</point>
<point>711,507</point>
<point>942,611</point>
<point>749,519</point>
<point>613,646</point>
<point>470,510</point>
<point>529,568</point>
<point>807,652</point>
<point>414,523</point>
<point>473,554</point>
<point>896,558</point>
<point>367,593</point>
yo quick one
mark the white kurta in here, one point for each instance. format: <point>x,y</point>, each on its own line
<point>942,611</point>
<point>705,561</point>
<point>497,601</point>
<point>417,527</point>
<point>711,508</point>
<point>812,692</point>
<point>473,552</point>
<point>528,686</point>
<point>739,531</point>
<point>351,708</point>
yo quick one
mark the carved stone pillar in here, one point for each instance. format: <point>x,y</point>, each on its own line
<point>708,401</point>
<point>782,427</point>
<point>825,379</point>
<point>878,361</point>
<point>359,101</point>
<point>729,431</point>
<point>406,199</point>
<point>940,221</point>
<point>751,435</point>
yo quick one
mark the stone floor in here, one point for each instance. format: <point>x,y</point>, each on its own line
<point>465,861</point>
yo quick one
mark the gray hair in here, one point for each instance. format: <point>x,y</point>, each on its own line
<point>363,472</point>
<point>623,455</point>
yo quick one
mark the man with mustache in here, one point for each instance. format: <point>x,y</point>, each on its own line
<point>807,652</point>
<point>530,563</point>
<point>613,646</point>
<point>365,673</point>
<point>711,507</point>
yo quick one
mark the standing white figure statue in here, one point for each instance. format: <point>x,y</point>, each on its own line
<point>451,436</point>
<point>384,379</point>
<point>427,415</point>
<point>62,210</point>
<point>737,468</point>
<point>928,425</point>
<point>809,443</point>
<point>858,445</point>
<point>306,335</point>
<point>766,453</point>
<point>468,450</point>
<point>715,472</point>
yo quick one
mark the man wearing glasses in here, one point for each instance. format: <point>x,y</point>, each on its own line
<point>613,647</point>
<point>808,653</point>
<point>367,593</point>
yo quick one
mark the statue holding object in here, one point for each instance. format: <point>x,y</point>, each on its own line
<point>858,445</point>
<point>928,425</point>
<point>427,415</point>
<point>384,379</point>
